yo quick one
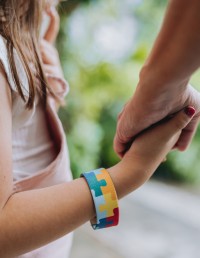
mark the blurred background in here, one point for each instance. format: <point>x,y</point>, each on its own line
<point>102,45</point>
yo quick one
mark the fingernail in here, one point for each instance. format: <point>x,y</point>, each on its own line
<point>189,111</point>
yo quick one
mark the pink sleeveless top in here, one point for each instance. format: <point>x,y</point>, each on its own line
<point>56,172</point>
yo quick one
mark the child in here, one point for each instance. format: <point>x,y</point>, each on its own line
<point>39,204</point>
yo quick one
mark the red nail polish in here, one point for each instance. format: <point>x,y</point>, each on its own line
<point>189,111</point>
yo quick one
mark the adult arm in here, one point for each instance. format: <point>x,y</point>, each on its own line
<point>163,85</point>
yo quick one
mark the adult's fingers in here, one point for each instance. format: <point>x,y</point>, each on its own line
<point>121,139</point>
<point>179,122</point>
<point>152,145</point>
<point>54,25</point>
<point>119,143</point>
<point>120,146</point>
<point>189,131</point>
<point>187,134</point>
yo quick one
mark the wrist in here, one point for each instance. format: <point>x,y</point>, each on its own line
<point>126,177</point>
<point>104,198</point>
<point>160,77</point>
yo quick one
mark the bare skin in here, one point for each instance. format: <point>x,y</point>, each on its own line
<point>163,87</point>
<point>31,219</point>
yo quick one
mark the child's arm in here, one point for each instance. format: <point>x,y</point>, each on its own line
<point>34,218</point>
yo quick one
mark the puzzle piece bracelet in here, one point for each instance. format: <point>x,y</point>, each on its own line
<point>104,197</point>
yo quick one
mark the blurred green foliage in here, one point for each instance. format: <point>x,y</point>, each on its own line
<point>101,84</point>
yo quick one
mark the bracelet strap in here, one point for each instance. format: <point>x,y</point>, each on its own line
<point>104,197</point>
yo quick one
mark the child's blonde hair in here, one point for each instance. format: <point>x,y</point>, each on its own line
<point>20,22</point>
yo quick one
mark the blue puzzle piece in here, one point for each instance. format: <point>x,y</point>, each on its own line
<point>94,183</point>
<point>104,223</point>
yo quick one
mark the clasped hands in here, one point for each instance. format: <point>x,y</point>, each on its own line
<point>152,123</point>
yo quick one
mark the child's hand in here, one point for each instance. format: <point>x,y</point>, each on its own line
<point>148,151</point>
<point>51,61</point>
<point>49,53</point>
<point>50,57</point>
<point>54,25</point>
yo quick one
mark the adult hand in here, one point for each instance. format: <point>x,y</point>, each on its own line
<point>163,89</point>
<point>150,105</point>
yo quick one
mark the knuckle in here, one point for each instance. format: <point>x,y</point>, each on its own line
<point>120,137</point>
<point>117,146</point>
